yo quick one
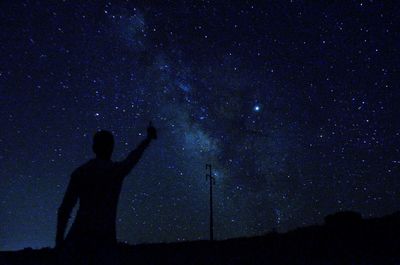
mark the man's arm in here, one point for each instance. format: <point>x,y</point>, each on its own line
<point>131,160</point>
<point>68,203</point>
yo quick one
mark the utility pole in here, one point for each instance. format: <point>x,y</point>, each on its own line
<point>210,177</point>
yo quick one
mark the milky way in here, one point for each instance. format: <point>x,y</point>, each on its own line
<point>294,104</point>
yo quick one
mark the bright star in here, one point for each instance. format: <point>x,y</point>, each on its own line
<point>256,108</point>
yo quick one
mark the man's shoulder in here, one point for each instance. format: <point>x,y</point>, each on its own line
<point>82,168</point>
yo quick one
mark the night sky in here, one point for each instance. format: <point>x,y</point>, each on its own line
<point>295,104</point>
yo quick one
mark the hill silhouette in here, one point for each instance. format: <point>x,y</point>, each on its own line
<point>344,238</point>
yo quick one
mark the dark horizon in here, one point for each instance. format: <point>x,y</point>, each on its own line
<point>268,234</point>
<point>344,238</point>
<point>294,104</point>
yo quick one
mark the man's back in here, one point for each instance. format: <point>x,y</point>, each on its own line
<point>97,184</point>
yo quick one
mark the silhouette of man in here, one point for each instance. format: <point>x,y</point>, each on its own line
<point>97,185</point>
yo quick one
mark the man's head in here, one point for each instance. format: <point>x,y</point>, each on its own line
<point>103,144</point>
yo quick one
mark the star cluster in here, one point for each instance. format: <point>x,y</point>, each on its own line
<point>295,105</point>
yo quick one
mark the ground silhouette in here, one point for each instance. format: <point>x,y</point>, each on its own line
<point>344,238</point>
<point>97,186</point>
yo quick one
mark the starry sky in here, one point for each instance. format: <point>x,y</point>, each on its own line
<point>294,103</point>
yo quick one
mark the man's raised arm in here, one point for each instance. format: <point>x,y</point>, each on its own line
<point>131,160</point>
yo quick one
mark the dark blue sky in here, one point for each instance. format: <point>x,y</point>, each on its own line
<point>294,103</point>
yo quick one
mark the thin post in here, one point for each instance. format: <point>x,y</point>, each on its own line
<point>212,182</point>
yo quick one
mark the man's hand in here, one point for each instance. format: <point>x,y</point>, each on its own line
<point>151,132</point>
